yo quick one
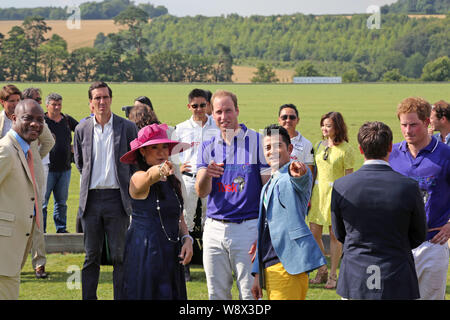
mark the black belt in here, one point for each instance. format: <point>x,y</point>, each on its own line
<point>192,175</point>
<point>233,221</point>
<point>104,190</point>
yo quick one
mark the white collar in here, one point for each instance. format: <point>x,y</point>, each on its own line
<point>199,123</point>
<point>298,137</point>
<point>109,123</point>
<point>376,161</point>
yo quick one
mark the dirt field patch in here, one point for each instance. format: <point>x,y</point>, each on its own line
<point>76,38</point>
<point>244,74</point>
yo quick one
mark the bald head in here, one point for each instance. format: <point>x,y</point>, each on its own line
<point>28,120</point>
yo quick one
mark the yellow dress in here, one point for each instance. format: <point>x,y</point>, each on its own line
<point>340,158</point>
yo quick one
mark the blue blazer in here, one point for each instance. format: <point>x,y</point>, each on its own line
<point>292,240</point>
<point>378,214</point>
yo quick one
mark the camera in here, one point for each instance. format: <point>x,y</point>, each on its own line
<point>127,110</point>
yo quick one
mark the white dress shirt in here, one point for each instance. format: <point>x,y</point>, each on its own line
<point>302,150</point>
<point>195,134</point>
<point>7,124</point>
<point>103,174</point>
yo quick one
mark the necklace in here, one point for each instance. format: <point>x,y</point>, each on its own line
<point>160,218</point>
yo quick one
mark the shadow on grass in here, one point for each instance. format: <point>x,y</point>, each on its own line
<point>57,276</point>
<point>197,274</point>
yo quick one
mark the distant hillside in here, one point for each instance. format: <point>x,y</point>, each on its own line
<point>336,43</point>
<point>76,38</point>
<point>418,6</point>
<point>107,9</point>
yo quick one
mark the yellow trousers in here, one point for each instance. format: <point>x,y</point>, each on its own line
<point>280,285</point>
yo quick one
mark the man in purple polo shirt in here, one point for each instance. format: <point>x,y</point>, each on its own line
<point>425,159</point>
<point>231,170</point>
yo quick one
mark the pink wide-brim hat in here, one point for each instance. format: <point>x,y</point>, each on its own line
<point>149,135</point>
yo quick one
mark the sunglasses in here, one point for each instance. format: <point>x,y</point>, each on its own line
<point>325,154</point>
<point>201,105</point>
<point>290,116</point>
<point>38,99</point>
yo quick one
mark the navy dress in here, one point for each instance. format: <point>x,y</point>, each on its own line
<point>151,264</point>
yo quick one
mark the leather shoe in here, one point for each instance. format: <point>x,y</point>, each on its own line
<point>40,273</point>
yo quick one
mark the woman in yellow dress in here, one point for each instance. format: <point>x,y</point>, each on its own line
<point>334,158</point>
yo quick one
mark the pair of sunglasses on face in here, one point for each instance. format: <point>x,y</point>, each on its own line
<point>201,105</point>
<point>286,116</point>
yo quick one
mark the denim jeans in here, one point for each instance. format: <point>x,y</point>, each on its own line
<point>58,183</point>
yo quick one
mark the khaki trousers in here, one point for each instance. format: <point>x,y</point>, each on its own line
<point>9,286</point>
<point>38,241</point>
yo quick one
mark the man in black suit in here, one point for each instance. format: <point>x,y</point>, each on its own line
<point>104,205</point>
<point>378,215</point>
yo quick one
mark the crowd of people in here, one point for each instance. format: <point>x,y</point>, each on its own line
<point>264,198</point>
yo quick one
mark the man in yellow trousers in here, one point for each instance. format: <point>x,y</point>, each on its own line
<point>286,249</point>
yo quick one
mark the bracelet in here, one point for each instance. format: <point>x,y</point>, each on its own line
<point>161,175</point>
<point>187,236</point>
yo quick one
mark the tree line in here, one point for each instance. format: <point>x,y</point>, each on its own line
<point>418,7</point>
<point>26,54</point>
<point>335,45</point>
<point>107,9</point>
<point>201,49</point>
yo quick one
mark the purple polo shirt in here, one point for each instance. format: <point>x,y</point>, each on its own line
<point>431,169</point>
<point>235,195</point>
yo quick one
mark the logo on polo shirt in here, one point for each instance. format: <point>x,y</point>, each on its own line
<point>238,184</point>
<point>227,187</point>
<point>241,182</point>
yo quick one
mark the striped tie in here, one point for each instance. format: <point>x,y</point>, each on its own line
<point>31,167</point>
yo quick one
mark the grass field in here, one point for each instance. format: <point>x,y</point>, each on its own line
<point>56,287</point>
<point>258,106</point>
<point>60,285</point>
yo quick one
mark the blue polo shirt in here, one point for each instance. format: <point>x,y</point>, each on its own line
<point>431,169</point>
<point>235,195</point>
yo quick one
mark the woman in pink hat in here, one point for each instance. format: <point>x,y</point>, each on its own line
<point>158,242</point>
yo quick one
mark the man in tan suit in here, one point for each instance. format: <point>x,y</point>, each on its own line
<point>44,145</point>
<point>19,200</point>
<point>10,95</point>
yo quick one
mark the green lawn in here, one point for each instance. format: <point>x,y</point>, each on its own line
<point>60,285</point>
<point>258,106</point>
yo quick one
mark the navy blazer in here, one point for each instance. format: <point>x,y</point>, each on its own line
<point>378,215</point>
<point>124,132</point>
<point>291,238</point>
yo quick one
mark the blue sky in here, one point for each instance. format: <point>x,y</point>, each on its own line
<point>241,7</point>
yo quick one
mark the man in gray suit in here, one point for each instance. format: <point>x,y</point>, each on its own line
<point>378,215</point>
<point>105,205</point>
